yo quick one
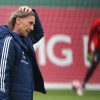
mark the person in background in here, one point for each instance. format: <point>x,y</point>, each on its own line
<point>93,56</point>
<point>19,71</point>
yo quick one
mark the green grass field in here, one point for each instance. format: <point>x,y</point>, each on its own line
<point>66,95</point>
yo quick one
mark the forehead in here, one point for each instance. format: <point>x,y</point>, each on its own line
<point>30,17</point>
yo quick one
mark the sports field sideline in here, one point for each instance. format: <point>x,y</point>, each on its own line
<point>67,95</point>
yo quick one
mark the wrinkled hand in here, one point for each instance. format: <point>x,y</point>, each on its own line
<point>25,8</point>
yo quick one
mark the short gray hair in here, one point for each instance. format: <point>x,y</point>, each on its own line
<point>21,14</point>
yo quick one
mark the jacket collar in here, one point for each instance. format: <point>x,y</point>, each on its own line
<point>15,36</point>
<point>19,41</point>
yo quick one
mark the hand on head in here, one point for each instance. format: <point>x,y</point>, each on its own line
<point>25,8</point>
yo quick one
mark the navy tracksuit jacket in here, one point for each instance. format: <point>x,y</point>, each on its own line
<point>19,71</point>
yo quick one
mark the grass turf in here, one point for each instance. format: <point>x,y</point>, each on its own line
<point>66,95</point>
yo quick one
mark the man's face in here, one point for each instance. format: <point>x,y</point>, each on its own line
<point>26,25</point>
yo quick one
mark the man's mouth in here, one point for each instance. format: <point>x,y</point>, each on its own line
<point>28,31</point>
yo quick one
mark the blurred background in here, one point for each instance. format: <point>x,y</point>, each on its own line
<point>62,52</point>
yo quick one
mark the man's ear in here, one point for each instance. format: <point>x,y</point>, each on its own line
<point>18,20</point>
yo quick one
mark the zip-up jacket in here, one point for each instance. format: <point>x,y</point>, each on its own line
<point>19,70</point>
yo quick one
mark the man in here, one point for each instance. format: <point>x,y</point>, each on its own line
<point>19,71</point>
<point>92,56</point>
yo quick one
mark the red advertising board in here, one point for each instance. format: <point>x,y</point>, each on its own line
<point>62,52</point>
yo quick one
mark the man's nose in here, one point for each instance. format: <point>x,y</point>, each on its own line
<point>31,28</point>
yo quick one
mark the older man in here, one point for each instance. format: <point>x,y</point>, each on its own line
<point>19,71</point>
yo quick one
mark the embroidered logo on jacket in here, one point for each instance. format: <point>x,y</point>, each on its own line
<point>23,60</point>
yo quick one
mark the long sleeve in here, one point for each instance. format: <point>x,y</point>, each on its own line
<point>7,55</point>
<point>94,35</point>
<point>91,35</point>
<point>38,32</point>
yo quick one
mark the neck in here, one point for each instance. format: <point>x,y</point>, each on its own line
<point>16,31</point>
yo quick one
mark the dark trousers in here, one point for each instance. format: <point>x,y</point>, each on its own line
<point>94,63</point>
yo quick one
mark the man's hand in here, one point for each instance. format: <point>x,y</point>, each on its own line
<point>25,8</point>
